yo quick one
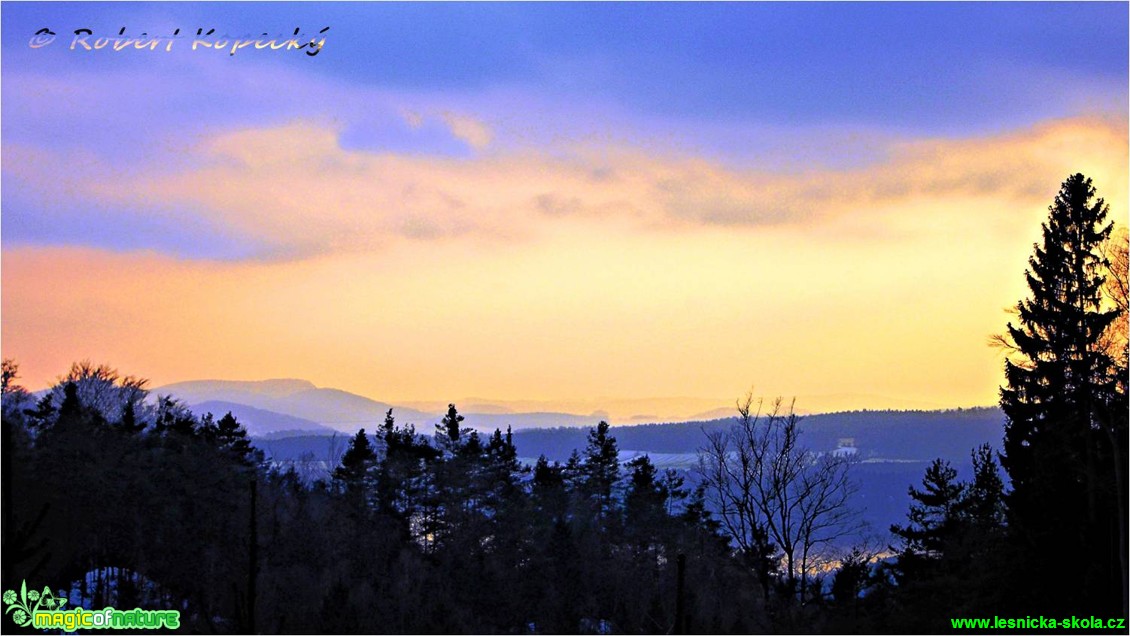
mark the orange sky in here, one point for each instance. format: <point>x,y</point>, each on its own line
<point>593,270</point>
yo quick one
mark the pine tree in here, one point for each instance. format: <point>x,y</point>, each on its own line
<point>70,411</point>
<point>697,514</point>
<point>927,571</point>
<point>952,552</point>
<point>645,500</point>
<point>401,480</point>
<point>44,414</point>
<point>502,469</point>
<point>601,470</point>
<point>454,499</point>
<point>390,477</point>
<point>129,422</point>
<point>449,428</point>
<point>548,489</point>
<point>231,436</point>
<point>174,418</point>
<point>206,428</point>
<point>674,487</point>
<point>359,458</point>
<point>933,516</point>
<point>983,504</point>
<point>1060,446</point>
<point>573,471</point>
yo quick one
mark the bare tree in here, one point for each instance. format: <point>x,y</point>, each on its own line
<point>1116,293</point>
<point>102,388</point>
<point>1116,342</point>
<point>765,486</point>
<point>13,397</point>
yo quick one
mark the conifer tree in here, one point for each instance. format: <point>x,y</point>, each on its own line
<point>601,470</point>
<point>502,469</point>
<point>206,429</point>
<point>644,501</point>
<point>933,516</point>
<point>390,478</point>
<point>231,435</point>
<point>1065,415</point>
<point>449,428</point>
<point>548,490</point>
<point>983,504</point>
<point>129,421</point>
<point>572,472</point>
<point>70,411</point>
<point>401,481</point>
<point>359,458</point>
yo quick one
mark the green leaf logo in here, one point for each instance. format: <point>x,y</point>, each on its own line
<point>23,607</point>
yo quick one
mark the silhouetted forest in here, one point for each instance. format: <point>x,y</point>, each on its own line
<point>887,434</point>
<point>116,497</point>
<point>445,533</point>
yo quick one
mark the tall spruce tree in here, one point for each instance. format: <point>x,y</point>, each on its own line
<point>1060,445</point>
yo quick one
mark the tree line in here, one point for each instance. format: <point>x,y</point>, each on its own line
<point>157,507</point>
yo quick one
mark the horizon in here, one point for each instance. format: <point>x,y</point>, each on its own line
<point>616,411</point>
<point>548,204</point>
<point>476,404</point>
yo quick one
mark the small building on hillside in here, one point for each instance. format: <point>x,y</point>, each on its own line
<point>846,447</point>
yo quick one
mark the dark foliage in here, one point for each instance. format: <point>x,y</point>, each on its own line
<point>1065,400</point>
<point>157,507</point>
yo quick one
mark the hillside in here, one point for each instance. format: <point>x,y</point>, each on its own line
<point>889,435</point>
<point>895,448</point>
<point>260,422</point>
<point>333,409</point>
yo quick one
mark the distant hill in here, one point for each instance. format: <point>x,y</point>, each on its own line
<point>230,390</point>
<point>331,408</point>
<point>909,435</point>
<point>261,423</point>
<point>891,435</point>
<point>880,436</point>
<point>266,404</point>
<point>487,422</point>
<point>895,448</point>
<point>342,411</point>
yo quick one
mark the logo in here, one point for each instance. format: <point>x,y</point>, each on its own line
<point>42,38</point>
<point>44,610</point>
<point>86,40</point>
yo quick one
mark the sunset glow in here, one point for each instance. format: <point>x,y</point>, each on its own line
<point>397,218</point>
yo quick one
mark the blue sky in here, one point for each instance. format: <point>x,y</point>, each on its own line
<point>735,82</point>
<point>934,67</point>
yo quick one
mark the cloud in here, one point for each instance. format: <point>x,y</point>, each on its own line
<point>294,190</point>
<point>475,133</point>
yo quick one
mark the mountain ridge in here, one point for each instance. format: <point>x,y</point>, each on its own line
<point>344,411</point>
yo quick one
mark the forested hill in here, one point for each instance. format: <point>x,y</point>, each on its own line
<point>905,435</point>
<point>895,446</point>
<point>890,435</point>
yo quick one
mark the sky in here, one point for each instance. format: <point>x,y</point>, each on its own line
<point>555,202</point>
